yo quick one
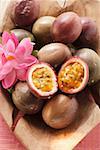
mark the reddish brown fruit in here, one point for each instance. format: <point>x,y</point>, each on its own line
<point>89,36</point>
<point>26,12</point>
<point>54,53</point>
<point>66,28</point>
<point>24,100</point>
<point>60,111</point>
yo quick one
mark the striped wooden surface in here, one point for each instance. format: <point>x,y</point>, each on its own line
<point>91,141</point>
<point>8,141</point>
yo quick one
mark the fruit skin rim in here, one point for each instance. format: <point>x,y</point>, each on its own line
<point>86,74</point>
<point>35,92</point>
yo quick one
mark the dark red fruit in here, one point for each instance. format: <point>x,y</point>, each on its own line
<point>26,12</point>
<point>89,36</point>
<point>66,28</point>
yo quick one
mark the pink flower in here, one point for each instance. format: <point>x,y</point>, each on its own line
<point>15,58</point>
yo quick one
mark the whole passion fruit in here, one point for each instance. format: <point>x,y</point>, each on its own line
<point>93,61</point>
<point>42,80</point>
<point>66,28</point>
<point>73,75</point>
<point>60,111</point>
<point>25,12</point>
<point>89,36</point>
<point>21,34</point>
<point>54,53</point>
<point>24,100</point>
<point>41,29</point>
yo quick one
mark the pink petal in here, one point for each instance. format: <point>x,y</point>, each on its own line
<point>6,69</point>
<point>20,66</point>
<point>20,51</point>
<point>26,43</point>
<point>5,37</point>
<point>21,74</point>
<point>28,61</point>
<point>3,58</point>
<point>15,39</point>
<point>2,76</point>
<point>10,46</point>
<point>9,80</point>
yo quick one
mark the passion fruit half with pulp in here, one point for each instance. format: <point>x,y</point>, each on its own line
<point>73,76</point>
<point>42,80</point>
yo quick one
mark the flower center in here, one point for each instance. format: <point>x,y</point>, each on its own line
<point>9,57</point>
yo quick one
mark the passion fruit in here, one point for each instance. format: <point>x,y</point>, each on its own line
<point>54,53</point>
<point>41,29</point>
<point>73,75</point>
<point>64,114</point>
<point>25,12</point>
<point>89,36</point>
<point>42,80</point>
<point>21,34</point>
<point>93,61</point>
<point>66,28</point>
<point>24,100</point>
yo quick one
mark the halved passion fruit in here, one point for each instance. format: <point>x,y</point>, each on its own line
<point>42,80</point>
<point>73,75</point>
